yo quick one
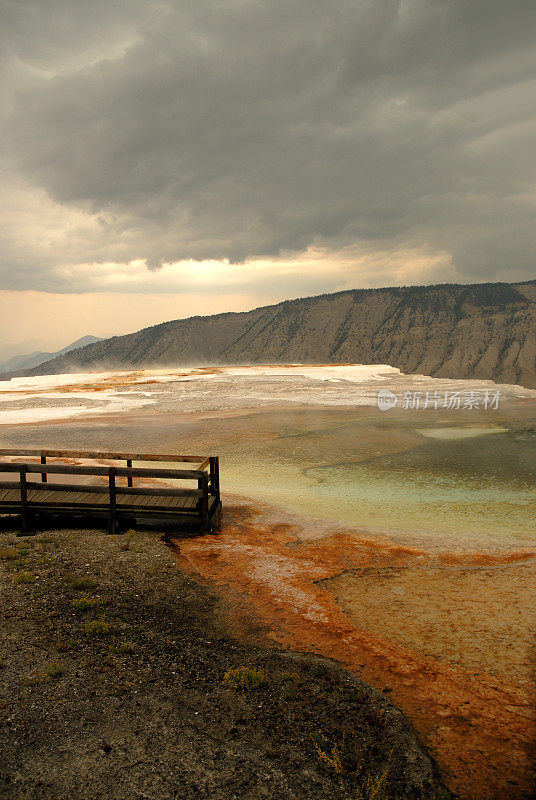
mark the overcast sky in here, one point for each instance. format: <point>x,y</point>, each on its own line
<point>162,158</point>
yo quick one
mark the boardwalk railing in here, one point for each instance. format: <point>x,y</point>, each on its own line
<point>112,493</point>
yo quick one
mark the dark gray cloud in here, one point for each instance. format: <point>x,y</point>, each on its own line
<point>240,129</point>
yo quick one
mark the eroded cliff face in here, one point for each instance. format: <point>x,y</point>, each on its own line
<point>481,331</point>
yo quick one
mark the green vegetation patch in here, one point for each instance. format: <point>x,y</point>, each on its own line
<point>330,753</point>
<point>25,577</point>
<point>51,673</point>
<point>9,554</point>
<point>87,603</point>
<point>127,539</point>
<point>244,679</point>
<point>97,628</point>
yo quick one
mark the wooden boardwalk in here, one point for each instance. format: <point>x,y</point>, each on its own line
<point>46,487</point>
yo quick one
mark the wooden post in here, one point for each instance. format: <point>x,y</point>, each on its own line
<point>112,493</point>
<point>203,486</point>
<point>24,527</point>
<point>215,477</point>
<point>129,478</point>
<point>44,476</point>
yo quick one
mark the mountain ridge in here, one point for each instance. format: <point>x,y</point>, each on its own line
<point>37,357</point>
<point>485,330</point>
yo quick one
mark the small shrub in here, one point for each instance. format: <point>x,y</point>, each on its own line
<point>127,539</point>
<point>9,554</point>
<point>244,679</point>
<point>55,671</point>
<point>25,577</point>
<point>86,603</point>
<point>97,627</point>
<point>50,673</point>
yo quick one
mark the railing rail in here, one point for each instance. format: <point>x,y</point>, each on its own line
<point>106,456</point>
<point>77,469</point>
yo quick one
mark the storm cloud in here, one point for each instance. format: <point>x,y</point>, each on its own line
<point>247,129</point>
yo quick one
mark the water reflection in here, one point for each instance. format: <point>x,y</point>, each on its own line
<point>453,480</point>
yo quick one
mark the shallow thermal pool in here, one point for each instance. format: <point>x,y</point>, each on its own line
<point>312,441</point>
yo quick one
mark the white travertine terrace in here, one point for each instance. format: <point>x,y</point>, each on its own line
<point>53,397</point>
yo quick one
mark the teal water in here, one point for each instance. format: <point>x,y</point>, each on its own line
<point>449,480</point>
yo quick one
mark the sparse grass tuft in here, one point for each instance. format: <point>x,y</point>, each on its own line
<point>25,577</point>
<point>127,539</point>
<point>244,679</point>
<point>374,786</point>
<point>50,673</point>
<point>329,753</point>
<point>55,671</point>
<point>97,627</point>
<point>9,554</point>
<point>86,603</point>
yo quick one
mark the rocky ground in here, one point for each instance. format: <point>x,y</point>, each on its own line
<point>113,669</point>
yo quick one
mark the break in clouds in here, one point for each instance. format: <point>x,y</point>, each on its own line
<point>246,129</point>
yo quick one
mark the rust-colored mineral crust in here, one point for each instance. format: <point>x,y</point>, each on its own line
<point>478,723</point>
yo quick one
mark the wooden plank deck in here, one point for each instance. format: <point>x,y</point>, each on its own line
<point>50,496</point>
<point>117,499</point>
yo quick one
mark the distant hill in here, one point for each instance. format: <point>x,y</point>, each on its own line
<point>450,330</point>
<point>30,360</point>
